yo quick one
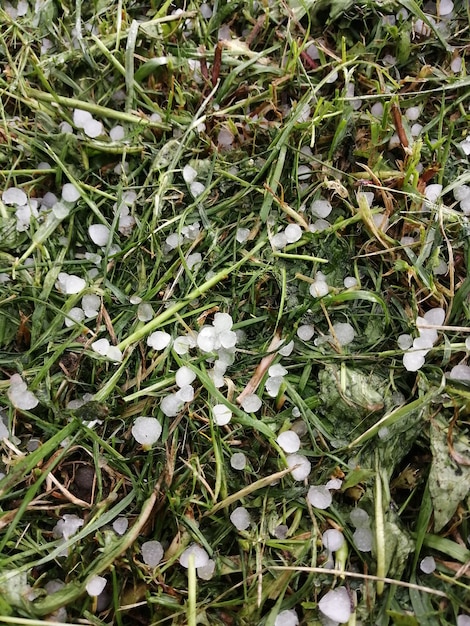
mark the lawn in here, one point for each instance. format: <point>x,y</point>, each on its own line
<point>234,312</point>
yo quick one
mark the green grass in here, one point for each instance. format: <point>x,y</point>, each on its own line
<point>398,439</point>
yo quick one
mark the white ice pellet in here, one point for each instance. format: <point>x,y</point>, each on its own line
<point>279,241</point>
<point>305,332</point>
<point>344,333</point>
<point>238,461</point>
<point>91,304</point>
<point>435,317</point>
<point>456,64</point>
<point>183,344</point>
<point>273,385</point>
<point>95,586</point>
<point>413,360</point>
<point>196,188</point>
<point>93,128</point>
<point>289,441</point>
<point>80,118</point>
<point>363,539</point>
<point>287,618</point>
<point>67,526</point>
<point>66,128</point>
<point>225,138</point>
<point>99,234</point>
<point>460,372</point>
<point>318,289</point>
<point>293,233</point>
<point>319,225</point>
<point>201,557</point>
<point>158,340</point>
<point>207,338</point>
<point>350,281</point>
<point>19,394</point>
<point>101,346</point>
<point>228,339</point>
<point>74,316</point>
<point>70,193</point>
<point>277,370</point>
<point>146,430</point>
<point>242,234</point>
<point>287,349</point>
<point>302,466</point>
<point>359,517</point>
<point>145,312</point>
<point>184,376</point>
<point>427,565</point>
<point>206,571</point>
<point>73,284</point>
<point>334,484</point>
<point>193,260</point>
<point>336,604</point>
<point>222,321</point>
<point>185,394</point>
<point>114,354</point>
<point>240,518</point>
<point>251,403</point>
<point>117,133</point>
<point>377,109</point>
<point>120,525</point>
<point>416,129</point>
<point>467,343</point>
<point>412,113</point>
<point>205,10</point>
<point>332,539</point>
<point>463,620</point>
<point>171,405</point>
<point>433,192</point>
<point>152,553</point>
<point>405,341</point>
<point>222,414</point>
<point>319,496</point>
<point>189,174</point>
<point>321,208</point>
<point>445,7</point>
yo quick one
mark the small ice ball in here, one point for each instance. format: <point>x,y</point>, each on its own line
<point>101,346</point>
<point>19,394</point>
<point>279,241</point>
<point>321,208</point>
<point>350,281</point>
<point>334,484</point>
<point>344,333</point>
<point>413,361</point>
<point>460,372</point>
<point>70,193</point>
<point>228,339</point>
<point>193,260</point>
<point>186,393</point>
<point>91,304</point>
<point>152,553</point>
<point>93,128</point>
<point>222,322</point>
<point>302,466</point>
<point>412,113</point>
<point>318,289</point>
<point>117,133</point>
<point>445,7</point>
<point>183,344</point>
<point>80,118</point>
<point>206,12</point>
<point>67,526</point>
<point>467,343</point>
<point>377,109</point>
<point>99,234</point>
<point>336,605</point>
<point>222,414</point>
<point>207,339</point>
<point>73,284</point>
<point>76,315</point>
<point>289,441</point>
<point>171,405</point>
<point>240,518</point>
<point>189,174</point>
<point>145,312</point>
<point>281,530</point>
<point>146,430</point>
<point>114,354</point>
<point>277,370</point>
<point>158,340</point>
<point>363,539</point>
<point>206,571</point>
<point>463,620</point>
<point>319,496</point>
<point>201,558</point>
<point>293,233</point>
<point>287,349</point>
<point>287,618</point>
<point>332,539</point>
<point>196,188</point>
<point>272,385</point>
<point>95,586</point>
<point>184,376</point>
<point>305,332</point>
<point>14,195</point>
<point>242,234</point>
<point>238,461</point>
<point>225,138</point>
<point>435,317</point>
<point>433,192</point>
<point>251,403</point>
<point>359,517</point>
<point>405,341</point>
<point>456,64</point>
<point>120,525</point>
<point>427,565</point>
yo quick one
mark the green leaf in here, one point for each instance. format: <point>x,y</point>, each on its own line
<point>449,482</point>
